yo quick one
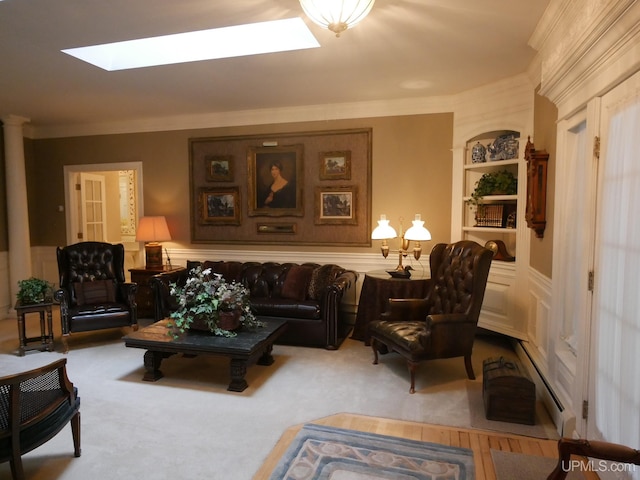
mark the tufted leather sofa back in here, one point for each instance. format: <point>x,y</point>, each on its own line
<point>264,280</point>
<point>458,270</point>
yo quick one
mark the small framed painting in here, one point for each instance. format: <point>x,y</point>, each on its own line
<point>220,206</point>
<point>219,168</point>
<point>336,205</point>
<point>335,165</point>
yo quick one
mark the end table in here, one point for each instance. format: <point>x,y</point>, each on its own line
<point>144,295</point>
<point>378,287</point>
<point>45,340</point>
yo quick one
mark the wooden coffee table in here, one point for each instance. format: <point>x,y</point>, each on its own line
<point>247,348</point>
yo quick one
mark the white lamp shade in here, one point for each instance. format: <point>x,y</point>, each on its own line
<point>152,229</point>
<point>383,231</point>
<point>417,231</point>
<point>337,15</point>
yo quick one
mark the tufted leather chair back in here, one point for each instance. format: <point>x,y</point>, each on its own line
<point>459,274</point>
<point>88,261</point>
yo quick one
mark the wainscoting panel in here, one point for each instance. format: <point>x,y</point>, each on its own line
<point>551,377</point>
<point>5,292</point>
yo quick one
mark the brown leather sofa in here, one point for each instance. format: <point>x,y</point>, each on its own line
<point>308,296</point>
<point>93,294</point>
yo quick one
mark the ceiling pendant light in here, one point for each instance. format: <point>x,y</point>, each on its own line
<point>337,15</point>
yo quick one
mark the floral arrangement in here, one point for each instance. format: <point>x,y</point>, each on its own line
<point>204,297</point>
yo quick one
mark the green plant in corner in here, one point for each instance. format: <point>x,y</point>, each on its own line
<point>502,182</point>
<point>33,290</point>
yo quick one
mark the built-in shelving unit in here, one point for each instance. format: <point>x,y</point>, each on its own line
<point>501,308</point>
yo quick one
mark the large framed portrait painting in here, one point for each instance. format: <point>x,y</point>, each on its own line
<point>275,181</point>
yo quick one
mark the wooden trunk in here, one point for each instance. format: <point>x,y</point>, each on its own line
<point>508,393</point>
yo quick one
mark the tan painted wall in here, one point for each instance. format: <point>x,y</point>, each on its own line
<point>544,138</point>
<point>411,173</point>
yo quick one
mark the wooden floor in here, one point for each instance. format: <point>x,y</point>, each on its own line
<point>480,441</point>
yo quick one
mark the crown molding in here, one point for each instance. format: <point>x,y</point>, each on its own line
<point>309,113</point>
<point>586,47</point>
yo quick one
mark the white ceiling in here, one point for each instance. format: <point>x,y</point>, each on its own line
<point>403,49</point>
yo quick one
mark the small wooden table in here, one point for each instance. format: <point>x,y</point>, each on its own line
<point>247,348</point>
<point>144,294</point>
<point>45,340</point>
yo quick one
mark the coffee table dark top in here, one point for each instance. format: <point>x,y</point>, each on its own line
<point>156,337</point>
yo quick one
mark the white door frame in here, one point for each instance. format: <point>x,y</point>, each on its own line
<point>70,171</point>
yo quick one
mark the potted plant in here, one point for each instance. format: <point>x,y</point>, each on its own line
<point>208,302</point>
<point>33,290</point>
<point>502,182</point>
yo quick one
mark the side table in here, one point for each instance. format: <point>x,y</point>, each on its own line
<point>144,295</point>
<point>377,288</point>
<point>46,328</point>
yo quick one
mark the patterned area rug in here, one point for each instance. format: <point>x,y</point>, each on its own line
<point>319,452</point>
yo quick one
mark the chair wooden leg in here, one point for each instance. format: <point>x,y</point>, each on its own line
<point>75,431</point>
<point>469,367</point>
<point>374,346</point>
<point>65,343</point>
<point>412,371</point>
<point>17,472</point>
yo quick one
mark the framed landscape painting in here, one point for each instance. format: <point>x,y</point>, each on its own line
<point>220,206</point>
<point>219,168</point>
<point>335,165</point>
<point>336,205</point>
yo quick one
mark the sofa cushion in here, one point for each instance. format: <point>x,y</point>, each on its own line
<point>296,283</point>
<point>282,307</point>
<point>94,292</point>
<point>321,278</point>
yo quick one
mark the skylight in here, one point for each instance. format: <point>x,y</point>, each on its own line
<point>252,39</point>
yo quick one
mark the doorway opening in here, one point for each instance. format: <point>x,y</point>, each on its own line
<point>103,203</point>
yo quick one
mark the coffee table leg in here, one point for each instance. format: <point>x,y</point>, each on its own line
<point>266,358</point>
<point>238,370</point>
<point>152,362</point>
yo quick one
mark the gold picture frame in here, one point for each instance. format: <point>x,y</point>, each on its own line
<point>335,165</point>
<point>283,168</point>
<point>336,205</point>
<point>276,228</point>
<point>219,206</point>
<point>219,168</point>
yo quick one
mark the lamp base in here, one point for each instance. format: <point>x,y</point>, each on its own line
<point>153,256</point>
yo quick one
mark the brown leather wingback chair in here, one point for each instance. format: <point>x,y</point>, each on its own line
<point>442,325</point>
<point>591,449</point>
<point>34,407</point>
<point>93,294</point>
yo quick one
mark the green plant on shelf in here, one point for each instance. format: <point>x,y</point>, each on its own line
<point>33,290</point>
<point>502,182</point>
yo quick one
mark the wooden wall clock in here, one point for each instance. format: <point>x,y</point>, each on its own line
<point>536,212</point>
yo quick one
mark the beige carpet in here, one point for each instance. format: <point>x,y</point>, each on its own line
<point>187,425</point>
<point>510,466</point>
